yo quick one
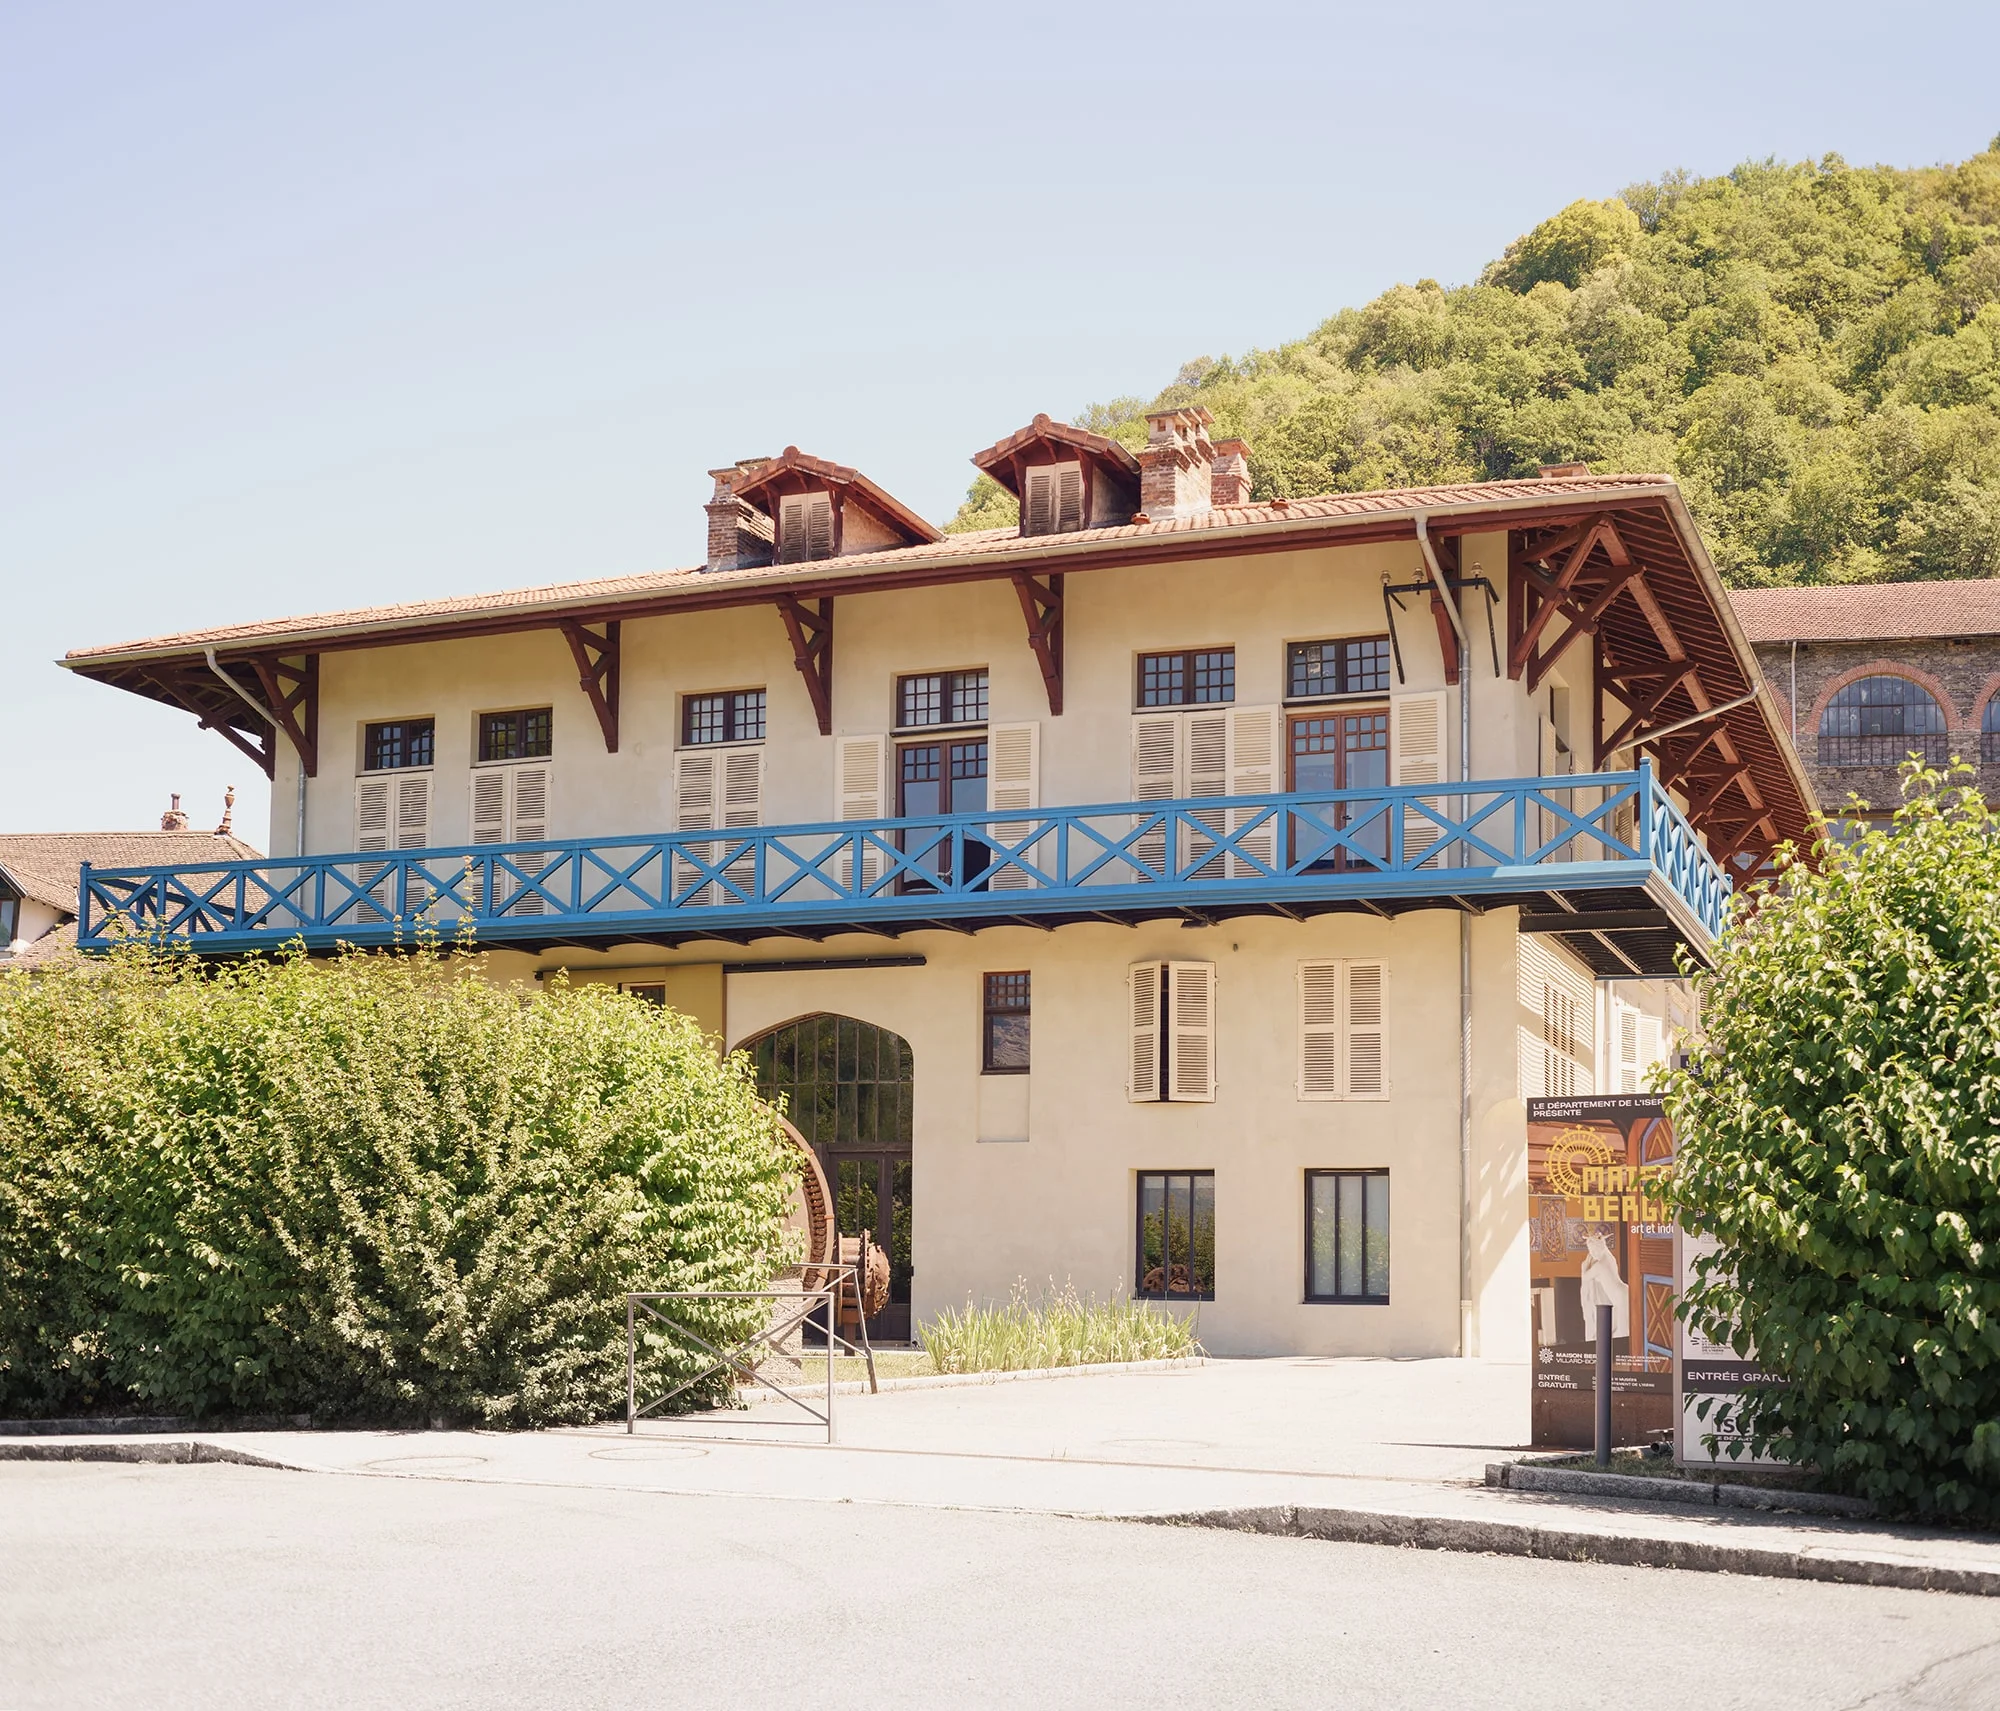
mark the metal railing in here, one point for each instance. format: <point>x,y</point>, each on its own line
<point>1487,837</point>
<point>1934,748</point>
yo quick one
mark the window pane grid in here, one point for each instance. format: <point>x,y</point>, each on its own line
<point>401,743</point>
<point>737,717</point>
<point>1355,666</point>
<point>1187,679</point>
<point>941,698</point>
<point>1176,1236</point>
<point>1877,721</point>
<point>1006,1024</point>
<point>1347,1235</point>
<point>524,734</point>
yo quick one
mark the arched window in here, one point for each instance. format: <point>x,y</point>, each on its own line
<point>1989,733</point>
<point>1880,721</point>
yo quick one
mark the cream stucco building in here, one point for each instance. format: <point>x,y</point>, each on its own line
<point>1179,893</point>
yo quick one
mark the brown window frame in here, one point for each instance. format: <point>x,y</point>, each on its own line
<point>997,1001</point>
<point>735,719</point>
<point>1189,663</point>
<point>1343,689</point>
<point>412,730</point>
<point>486,724</point>
<point>952,685</point>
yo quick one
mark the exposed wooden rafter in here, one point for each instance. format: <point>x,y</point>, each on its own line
<point>811,630</point>
<point>1446,549</point>
<point>1645,706</point>
<point>1560,594</point>
<point>219,711</point>
<point>597,656</point>
<point>1042,606</point>
<point>291,691</point>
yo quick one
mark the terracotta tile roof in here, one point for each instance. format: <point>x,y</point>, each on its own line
<point>952,549</point>
<point>54,946</point>
<point>45,866</point>
<point>1870,612</point>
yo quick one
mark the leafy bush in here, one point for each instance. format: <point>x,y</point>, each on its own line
<point>1059,1330</point>
<point>1839,1131</point>
<point>378,1186</point>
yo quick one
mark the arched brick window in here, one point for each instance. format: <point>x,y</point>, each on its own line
<point>1989,733</point>
<point>1880,721</point>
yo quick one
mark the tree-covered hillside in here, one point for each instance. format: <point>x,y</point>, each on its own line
<point>1813,350</point>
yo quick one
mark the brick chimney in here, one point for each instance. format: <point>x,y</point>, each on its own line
<point>1177,466</point>
<point>739,535</point>
<point>228,812</point>
<point>1229,481</point>
<point>173,820</point>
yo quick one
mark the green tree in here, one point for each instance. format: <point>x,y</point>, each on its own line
<point>1839,1130</point>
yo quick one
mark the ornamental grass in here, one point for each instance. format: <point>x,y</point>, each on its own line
<point>1059,1329</point>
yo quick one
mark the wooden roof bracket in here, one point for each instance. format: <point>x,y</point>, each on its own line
<point>811,631</point>
<point>291,692</point>
<point>177,690</point>
<point>1042,606</point>
<point>597,659</point>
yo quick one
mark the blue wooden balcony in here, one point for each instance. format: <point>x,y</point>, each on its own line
<point>1604,860</point>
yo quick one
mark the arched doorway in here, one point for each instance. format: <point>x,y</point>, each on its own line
<point>847,1086</point>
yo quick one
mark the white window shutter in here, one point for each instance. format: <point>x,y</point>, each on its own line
<point>413,827</point>
<point>1320,1029</point>
<point>1159,742</point>
<point>695,795</point>
<point>489,806</point>
<point>1142,1016</point>
<point>1208,751</point>
<point>1256,768</point>
<point>1038,512</point>
<point>1068,503</point>
<point>1628,1047</point>
<point>1191,1016</point>
<point>819,525</point>
<point>742,810</point>
<point>371,812</point>
<point>1365,1000</point>
<point>1417,756</point>
<point>861,767</point>
<point>1014,782</point>
<point>527,821</point>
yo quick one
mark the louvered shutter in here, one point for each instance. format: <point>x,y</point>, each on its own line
<point>1158,742</point>
<point>1256,745</point>
<point>791,529</point>
<point>860,765</point>
<point>695,794</point>
<point>819,525</point>
<point>1068,497</point>
<point>1364,1072</point>
<point>1417,756</point>
<point>1013,782</point>
<point>1191,1017</point>
<point>742,810</point>
<point>1038,515</point>
<point>489,806</point>
<point>1207,775</point>
<point>1142,1016</point>
<point>528,821</point>
<point>1627,1023</point>
<point>1320,1029</point>
<point>373,831</point>
<point>413,828</point>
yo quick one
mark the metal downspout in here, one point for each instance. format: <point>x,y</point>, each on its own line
<point>1467,1341</point>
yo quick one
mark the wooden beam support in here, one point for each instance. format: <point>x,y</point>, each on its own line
<point>811,630</point>
<point>1042,606</point>
<point>596,653</point>
<point>1447,552</point>
<point>1522,648</point>
<point>292,693</point>
<point>255,741</point>
<point>1699,806</point>
<point>1642,714</point>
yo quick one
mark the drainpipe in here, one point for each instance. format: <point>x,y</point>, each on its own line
<point>1467,1342</point>
<point>1795,695</point>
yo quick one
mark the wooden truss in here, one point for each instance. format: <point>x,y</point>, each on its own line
<point>596,653</point>
<point>811,630</point>
<point>1042,606</point>
<point>249,701</point>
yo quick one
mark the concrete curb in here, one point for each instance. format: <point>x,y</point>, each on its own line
<point>164,1452</point>
<point>953,1380</point>
<point>1524,1539</point>
<point>1699,1493</point>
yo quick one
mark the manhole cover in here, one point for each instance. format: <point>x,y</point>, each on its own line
<point>649,1452</point>
<point>425,1464</point>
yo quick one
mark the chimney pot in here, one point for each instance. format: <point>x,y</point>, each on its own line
<point>173,820</point>
<point>1229,481</point>
<point>228,811</point>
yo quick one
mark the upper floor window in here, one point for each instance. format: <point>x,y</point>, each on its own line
<point>399,743</point>
<point>1006,1025</point>
<point>737,717</point>
<point>941,698</point>
<point>524,734</point>
<point>1054,500</point>
<point>10,922</point>
<point>1989,734</point>
<point>805,527</point>
<point>1187,679</point>
<point>1878,721</point>
<point>1355,665</point>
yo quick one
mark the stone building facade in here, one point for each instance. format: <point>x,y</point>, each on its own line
<point>1864,676</point>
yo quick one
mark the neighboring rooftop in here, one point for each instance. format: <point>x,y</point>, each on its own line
<point>46,866</point>
<point>1869,612</point>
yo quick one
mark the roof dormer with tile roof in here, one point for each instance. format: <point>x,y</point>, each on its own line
<point>1066,479</point>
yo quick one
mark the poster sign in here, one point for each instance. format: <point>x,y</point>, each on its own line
<point>1598,1234</point>
<point>1713,1373</point>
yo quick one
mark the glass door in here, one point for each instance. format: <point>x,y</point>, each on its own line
<point>1343,749</point>
<point>941,778</point>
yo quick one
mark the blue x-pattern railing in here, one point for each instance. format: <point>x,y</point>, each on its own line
<point>1597,831</point>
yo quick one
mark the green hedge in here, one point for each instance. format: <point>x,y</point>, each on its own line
<point>1839,1132</point>
<point>372,1187</point>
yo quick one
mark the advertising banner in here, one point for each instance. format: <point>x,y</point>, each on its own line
<point>1711,1373</point>
<point>1598,1233</point>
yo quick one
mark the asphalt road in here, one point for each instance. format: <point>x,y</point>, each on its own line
<point>230,1586</point>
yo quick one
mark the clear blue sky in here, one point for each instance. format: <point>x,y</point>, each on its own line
<point>313,306</point>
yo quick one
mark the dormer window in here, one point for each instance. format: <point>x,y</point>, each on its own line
<point>1054,500</point>
<point>805,527</point>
